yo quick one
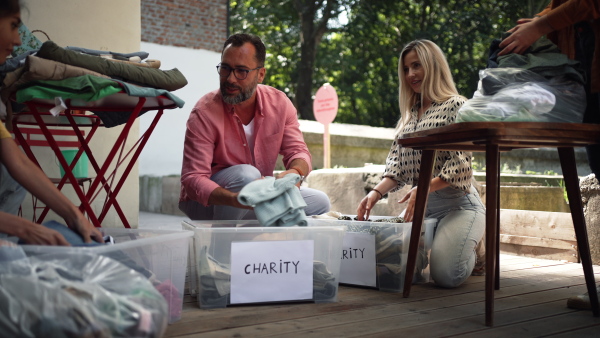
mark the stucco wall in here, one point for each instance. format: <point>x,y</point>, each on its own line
<point>163,153</point>
<point>111,25</point>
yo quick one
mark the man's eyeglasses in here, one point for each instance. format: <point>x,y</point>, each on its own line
<point>239,73</point>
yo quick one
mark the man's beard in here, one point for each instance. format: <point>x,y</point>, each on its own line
<point>244,94</point>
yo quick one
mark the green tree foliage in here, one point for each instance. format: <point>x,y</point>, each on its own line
<point>358,47</point>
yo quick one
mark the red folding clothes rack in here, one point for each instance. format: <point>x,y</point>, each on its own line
<point>118,103</point>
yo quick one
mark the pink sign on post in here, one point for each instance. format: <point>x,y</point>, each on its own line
<point>325,108</point>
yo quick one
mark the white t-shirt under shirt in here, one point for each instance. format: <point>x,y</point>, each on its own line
<point>249,131</point>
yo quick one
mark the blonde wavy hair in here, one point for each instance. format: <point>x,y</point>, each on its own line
<point>437,83</point>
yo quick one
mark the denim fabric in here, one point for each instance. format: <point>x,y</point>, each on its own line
<point>234,179</point>
<point>460,226</point>
<point>12,193</point>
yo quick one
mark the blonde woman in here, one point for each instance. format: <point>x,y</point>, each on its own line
<point>429,99</point>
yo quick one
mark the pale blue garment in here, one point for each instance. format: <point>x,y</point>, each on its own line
<point>276,202</point>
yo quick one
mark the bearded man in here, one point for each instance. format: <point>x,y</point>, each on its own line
<point>235,134</point>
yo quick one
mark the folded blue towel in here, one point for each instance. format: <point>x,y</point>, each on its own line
<point>276,202</point>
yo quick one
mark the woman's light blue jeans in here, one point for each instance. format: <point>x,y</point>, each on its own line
<point>234,179</point>
<point>460,227</point>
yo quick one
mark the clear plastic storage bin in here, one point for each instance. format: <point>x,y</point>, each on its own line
<point>216,255</point>
<point>388,252</point>
<point>160,255</point>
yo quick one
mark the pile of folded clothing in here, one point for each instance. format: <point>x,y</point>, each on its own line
<point>53,71</point>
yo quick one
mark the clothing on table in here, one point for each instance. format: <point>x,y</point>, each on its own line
<point>36,68</point>
<point>13,64</point>
<point>275,202</point>
<point>55,63</point>
<point>543,58</point>
<point>88,88</point>
<point>514,94</point>
<point>454,167</point>
<point>148,77</point>
<point>120,56</point>
<point>234,179</point>
<point>85,87</point>
<point>215,140</point>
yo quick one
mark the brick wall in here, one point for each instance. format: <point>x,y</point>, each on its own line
<point>198,24</point>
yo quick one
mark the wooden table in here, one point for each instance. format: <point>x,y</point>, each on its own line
<point>492,138</point>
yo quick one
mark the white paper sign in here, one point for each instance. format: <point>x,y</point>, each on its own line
<point>271,271</point>
<point>358,259</point>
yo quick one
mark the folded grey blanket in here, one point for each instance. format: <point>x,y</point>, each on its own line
<point>149,77</point>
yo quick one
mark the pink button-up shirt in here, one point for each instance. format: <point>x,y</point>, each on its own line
<point>215,140</point>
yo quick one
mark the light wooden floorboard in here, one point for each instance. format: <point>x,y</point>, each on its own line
<point>531,302</point>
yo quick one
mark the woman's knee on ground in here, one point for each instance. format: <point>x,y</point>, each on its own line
<point>451,275</point>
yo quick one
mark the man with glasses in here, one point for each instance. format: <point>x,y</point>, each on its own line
<point>235,134</point>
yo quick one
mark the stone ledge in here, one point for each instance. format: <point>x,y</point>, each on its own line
<point>543,234</point>
<point>354,145</point>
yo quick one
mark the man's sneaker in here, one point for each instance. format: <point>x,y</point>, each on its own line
<point>581,302</point>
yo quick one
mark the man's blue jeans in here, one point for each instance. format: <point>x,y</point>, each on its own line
<point>234,179</point>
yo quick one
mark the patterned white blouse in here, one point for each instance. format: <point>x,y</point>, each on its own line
<point>454,167</point>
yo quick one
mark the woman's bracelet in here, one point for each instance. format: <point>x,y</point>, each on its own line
<point>379,192</point>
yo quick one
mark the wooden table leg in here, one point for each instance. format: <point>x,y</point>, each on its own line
<point>497,271</point>
<point>567,162</point>
<point>492,187</point>
<point>427,161</point>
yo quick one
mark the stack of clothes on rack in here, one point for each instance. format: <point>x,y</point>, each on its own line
<point>78,73</point>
